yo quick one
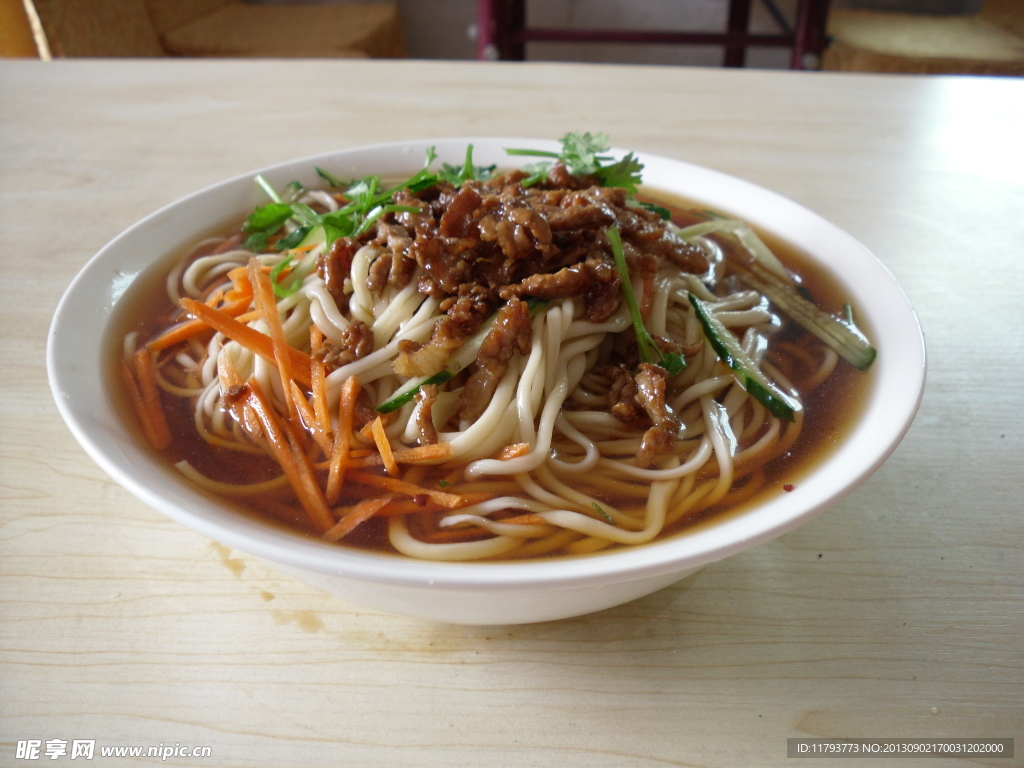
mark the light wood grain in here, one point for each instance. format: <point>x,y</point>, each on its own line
<point>898,613</point>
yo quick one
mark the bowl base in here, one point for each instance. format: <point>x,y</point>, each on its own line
<point>481,606</point>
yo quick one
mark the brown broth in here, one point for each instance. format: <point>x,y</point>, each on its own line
<point>829,410</point>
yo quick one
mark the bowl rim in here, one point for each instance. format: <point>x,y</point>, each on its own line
<point>88,411</point>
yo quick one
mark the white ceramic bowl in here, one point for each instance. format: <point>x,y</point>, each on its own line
<point>81,347</point>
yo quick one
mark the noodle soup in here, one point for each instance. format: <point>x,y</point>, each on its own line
<point>471,368</point>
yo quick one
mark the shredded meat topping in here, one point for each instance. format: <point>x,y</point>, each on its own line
<point>335,266</point>
<point>639,400</point>
<point>425,399</point>
<point>356,343</point>
<point>393,266</point>
<point>486,246</point>
<point>509,334</point>
<point>509,240</point>
<point>622,400</point>
<point>651,383</point>
<point>463,317</point>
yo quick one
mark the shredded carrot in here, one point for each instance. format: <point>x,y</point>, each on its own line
<point>152,431</point>
<point>186,330</point>
<point>424,453</point>
<point>357,457</point>
<point>249,338</point>
<point>213,294</point>
<point>356,516</point>
<point>380,437</point>
<point>385,419</point>
<point>402,487</point>
<point>397,507</point>
<point>420,453</point>
<point>318,374</point>
<point>409,506</point>
<point>145,374</point>
<point>513,451</point>
<point>342,438</point>
<point>526,520</point>
<point>239,277</point>
<point>363,462</point>
<point>248,317</point>
<point>286,448</point>
<point>415,474</point>
<point>308,418</point>
<point>266,303</point>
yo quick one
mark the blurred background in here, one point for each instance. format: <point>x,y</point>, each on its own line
<point>908,36</point>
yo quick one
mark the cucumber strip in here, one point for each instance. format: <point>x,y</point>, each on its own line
<point>841,335</point>
<point>408,391</point>
<point>314,237</point>
<point>458,360</point>
<point>767,275</point>
<point>730,352</point>
<point>295,278</point>
<point>747,237</point>
<point>294,238</point>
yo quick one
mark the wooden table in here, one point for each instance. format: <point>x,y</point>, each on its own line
<point>898,613</point>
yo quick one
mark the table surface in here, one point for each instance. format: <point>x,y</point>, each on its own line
<point>895,614</point>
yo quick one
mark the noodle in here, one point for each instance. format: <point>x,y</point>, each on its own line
<point>589,445</point>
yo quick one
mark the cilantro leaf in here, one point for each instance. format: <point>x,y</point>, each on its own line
<point>366,203</point>
<point>459,174</point>
<point>339,223</point>
<point>582,156</point>
<point>580,152</point>
<point>305,215</point>
<point>536,173</point>
<point>625,173</point>
<point>665,213</point>
<point>673,362</point>
<point>648,348</point>
<point>266,216</point>
<point>335,181</point>
<point>263,222</point>
<point>423,179</point>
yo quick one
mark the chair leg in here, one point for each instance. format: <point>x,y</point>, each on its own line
<point>809,34</point>
<point>739,20</point>
<point>486,30</point>
<point>514,22</point>
<point>499,22</point>
<point>777,16</point>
